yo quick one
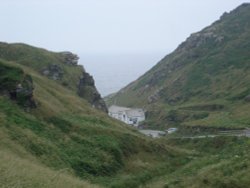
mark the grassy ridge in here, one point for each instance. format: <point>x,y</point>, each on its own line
<point>39,59</point>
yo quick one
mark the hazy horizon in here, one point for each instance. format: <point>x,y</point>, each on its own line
<point>109,32</point>
<point>114,76</point>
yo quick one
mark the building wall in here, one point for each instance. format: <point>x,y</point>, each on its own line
<point>124,118</point>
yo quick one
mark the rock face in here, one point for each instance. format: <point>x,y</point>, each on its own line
<point>70,58</point>
<point>61,67</point>
<point>247,98</point>
<point>88,91</point>
<point>17,85</point>
<point>54,72</point>
<point>209,34</point>
<point>23,93</point>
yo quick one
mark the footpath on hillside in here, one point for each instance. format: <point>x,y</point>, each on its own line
<point>238,133</point>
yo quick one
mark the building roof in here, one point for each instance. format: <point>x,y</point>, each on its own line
<point>117,109</point>
<point>130,112</point>
<point>135,113</point>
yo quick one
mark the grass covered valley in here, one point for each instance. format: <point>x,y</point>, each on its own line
<point>55,131</point>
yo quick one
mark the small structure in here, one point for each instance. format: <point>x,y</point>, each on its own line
<point>171,130</point>
<point>131,116</point>
<point>153,133</point>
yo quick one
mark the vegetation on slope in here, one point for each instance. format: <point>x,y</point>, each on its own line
<point>19,172</point>
<point>219,162</point>
<point>39,59</point>
<point>64,142</point>
<point>65,135</point>
<point>61,67</point>
<point>17,85</point>
<point>210,69</point>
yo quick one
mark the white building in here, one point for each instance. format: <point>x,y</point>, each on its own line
<point>131,116</point>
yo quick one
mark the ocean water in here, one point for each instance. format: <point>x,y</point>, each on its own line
<point>112,72</point>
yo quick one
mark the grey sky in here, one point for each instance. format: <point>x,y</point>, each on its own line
<point>107,26</point>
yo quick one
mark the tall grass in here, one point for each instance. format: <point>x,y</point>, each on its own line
<point>16,172</point>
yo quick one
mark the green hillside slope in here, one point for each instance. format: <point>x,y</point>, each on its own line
<point>53,138</point>
<point>61,67</point>
<point>205,82</point>
<point>219,162</point>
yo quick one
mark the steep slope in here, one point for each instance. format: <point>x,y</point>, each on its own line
<point>61,67</point>
<point>49,125</point>
<point>204,82</point>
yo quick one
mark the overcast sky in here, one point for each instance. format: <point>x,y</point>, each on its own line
<point>107,26</point>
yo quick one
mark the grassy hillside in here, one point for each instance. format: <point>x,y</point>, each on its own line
<point>68,141</point>
<point>59,66</point>
<point>40,59</point>
<point>204,82</point>
<point>218,162</point>
<point>64,142</point>
<point>18,172</point>
<point>51,137</point>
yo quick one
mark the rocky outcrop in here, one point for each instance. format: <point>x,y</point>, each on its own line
<point>61,67</point>
<point>88,91</point>
<point>247,98</point>
<point>155,96</point>
<point>209,34</point>
<point>54,72</point>
<point>23,93</point>
<point>17,85</point>
<point>70,58</point>
<point>86,85</point>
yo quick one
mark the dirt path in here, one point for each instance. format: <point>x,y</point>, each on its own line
<point>240,133</point>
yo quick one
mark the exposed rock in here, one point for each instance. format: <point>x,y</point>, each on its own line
<point>86,79</point>
<point>54,72</point>
<point>88,91</point>
<point>23,93</point>
<point>17,85</point>
<point>209,34</point>
<point>152,98</point>
<point>155,96</point>
<point>70,58</point>
<point>86,85</point>
<point>247,98</point>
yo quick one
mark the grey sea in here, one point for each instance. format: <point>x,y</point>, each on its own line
<point>114,71</point>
